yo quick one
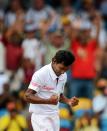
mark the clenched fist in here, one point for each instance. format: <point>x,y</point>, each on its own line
<point>73,101</point>
<point>54,99</point>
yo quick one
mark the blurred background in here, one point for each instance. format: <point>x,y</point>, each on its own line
<point>31,32</point>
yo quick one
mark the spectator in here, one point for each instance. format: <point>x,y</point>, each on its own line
<point>98,29</point>
<point>53,44</point>
<point>87,9</point>
<point>13,120</point>
<point>34,46</point>
<point>86,123</point>
<point>101,109</point>
<point>13,48</point>
<point>15,14</point>
<point>67,16</point>
<point>39,13</point>
<point>83,70</point>
<point>4,96</point>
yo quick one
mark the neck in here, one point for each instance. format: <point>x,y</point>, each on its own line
<point>54,70</point>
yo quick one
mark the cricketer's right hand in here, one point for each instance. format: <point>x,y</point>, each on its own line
<point>54,99</point>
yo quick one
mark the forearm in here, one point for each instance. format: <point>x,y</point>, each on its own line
<point>63,99</point>
<point>34,99</point>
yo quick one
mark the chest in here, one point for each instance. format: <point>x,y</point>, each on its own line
<point>52,87</point>
<point>40,15</point>
<point>33,44</point>
<point>12,50</point>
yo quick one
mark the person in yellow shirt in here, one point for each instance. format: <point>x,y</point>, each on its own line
<point>13,121</point>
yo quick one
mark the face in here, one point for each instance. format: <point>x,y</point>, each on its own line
<point>15,5</point>
<point>30,34</point>
<point>83,36</point>
<point>59,68</point>
<point>57,41</point>
<point>38,4</point>
<point>16,39</point>
<point>13,114</point>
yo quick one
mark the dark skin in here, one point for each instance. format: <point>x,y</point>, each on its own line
<point>30,96</point>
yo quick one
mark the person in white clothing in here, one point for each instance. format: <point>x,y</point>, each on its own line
<point>46,90</point>
<point>34,46</point>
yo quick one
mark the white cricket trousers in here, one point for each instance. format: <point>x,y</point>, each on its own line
<point>45,122</point>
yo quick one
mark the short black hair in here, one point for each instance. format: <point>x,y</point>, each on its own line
<point>64,56</point>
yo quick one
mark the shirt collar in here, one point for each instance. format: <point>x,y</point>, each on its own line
<point>53,75</point>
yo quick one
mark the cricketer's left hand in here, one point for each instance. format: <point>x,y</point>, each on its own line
<point>73,101</point>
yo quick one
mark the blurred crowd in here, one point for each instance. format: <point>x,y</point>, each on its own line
<point>31,32</point>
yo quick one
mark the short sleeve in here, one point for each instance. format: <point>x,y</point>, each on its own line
<point>36,83</point>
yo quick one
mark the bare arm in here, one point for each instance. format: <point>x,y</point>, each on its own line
<point>34,99</point>
<point>63,99</point>
<point>71,102</point>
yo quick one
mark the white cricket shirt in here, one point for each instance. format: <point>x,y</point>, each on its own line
<point>45,84</point>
